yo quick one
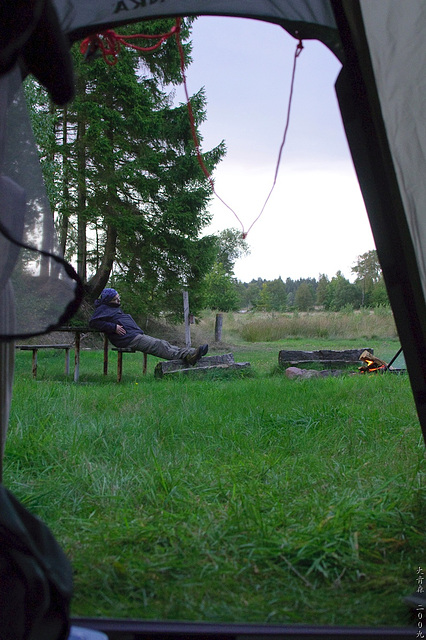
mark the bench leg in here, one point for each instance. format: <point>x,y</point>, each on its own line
<point>119,365</point>
<point>77,357</point>
<point>145,360</point>
<point>34,363</point>
<point>67,362</point>
<point>105,355</point>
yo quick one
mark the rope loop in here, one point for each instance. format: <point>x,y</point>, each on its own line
<point>109,43</point>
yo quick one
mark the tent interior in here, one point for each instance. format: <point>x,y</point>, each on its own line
<point>379,91</point>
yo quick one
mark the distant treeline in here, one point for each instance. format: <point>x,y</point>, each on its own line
<point>305,294</point>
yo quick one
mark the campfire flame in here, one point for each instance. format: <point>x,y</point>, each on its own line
<point>370,367</point>
<point>372,364</point>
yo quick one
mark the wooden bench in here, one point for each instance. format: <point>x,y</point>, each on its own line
<point>120,351</point>
<point>325,358</point>
<point>35,348</point>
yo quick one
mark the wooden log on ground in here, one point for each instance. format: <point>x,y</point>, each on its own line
<point>208,363</point>
<point>323,357</point>
<point>367,356</point>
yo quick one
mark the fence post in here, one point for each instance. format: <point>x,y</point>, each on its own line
<point>186,318</point>
<point>218,327</point>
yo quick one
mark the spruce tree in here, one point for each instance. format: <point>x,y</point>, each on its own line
<point>130,198</point>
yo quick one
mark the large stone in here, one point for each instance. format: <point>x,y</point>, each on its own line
<point>295,372</point>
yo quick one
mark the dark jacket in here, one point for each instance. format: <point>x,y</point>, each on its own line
<point>106,317</point>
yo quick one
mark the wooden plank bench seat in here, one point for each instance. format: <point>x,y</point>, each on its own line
<point>35,348</point>
<point>120,351</point>
<point>325,357</point>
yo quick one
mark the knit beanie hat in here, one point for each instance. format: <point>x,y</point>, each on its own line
<point>107,295</point>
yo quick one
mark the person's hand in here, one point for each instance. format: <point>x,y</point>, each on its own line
<point>120,330</point>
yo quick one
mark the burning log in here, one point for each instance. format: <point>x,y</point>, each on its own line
<point>372,363</point>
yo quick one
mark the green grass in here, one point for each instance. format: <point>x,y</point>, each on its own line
<point>226,498</point>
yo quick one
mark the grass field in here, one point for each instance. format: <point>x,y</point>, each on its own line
<point>227,497</point>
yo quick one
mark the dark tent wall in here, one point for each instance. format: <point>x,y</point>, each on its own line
<point>382,99</point>
<point>38,289</point>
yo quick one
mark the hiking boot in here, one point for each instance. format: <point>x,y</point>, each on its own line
<point>193,358</point>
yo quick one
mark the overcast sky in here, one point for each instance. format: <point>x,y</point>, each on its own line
<point>315,222</point>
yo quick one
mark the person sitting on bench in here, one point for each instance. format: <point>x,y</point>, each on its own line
<point>123,332</point>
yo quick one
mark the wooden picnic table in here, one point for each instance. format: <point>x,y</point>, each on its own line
<point>78,332</point>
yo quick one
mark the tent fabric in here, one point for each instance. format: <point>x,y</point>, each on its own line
<point>46,288</point>
<point>36,576</point>
<point>396,43</point>
<point>301,18</point>
<point>30,39</point>
<point>7,362</point>
<point>381,154</point>
<point>75,14</point>
<point>30,35</point>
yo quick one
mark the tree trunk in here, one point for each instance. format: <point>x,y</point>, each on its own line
<point>81,201</point>
<point>47,243</point>
<point>100,279</point>
<point>63,224</point>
